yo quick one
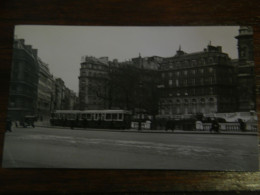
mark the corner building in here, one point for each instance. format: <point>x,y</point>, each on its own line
<point>92,83</point>
<point>24,81</point>
<point>201,82</point>
<point>45,91</point>
<point>245,70</point>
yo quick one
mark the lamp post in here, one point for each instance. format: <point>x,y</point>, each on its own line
<point>140,105</point>
<point>160,87</point>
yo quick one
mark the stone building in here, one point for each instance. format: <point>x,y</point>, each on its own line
<point>59,94</point>
<point>24,81</point>
<point>200,82</point>
<point>93,80</point>
<point>147,63</point>
<point>245,70</point>
<point>185,84</point>
<point>105,84</point>
<point>45,91</point>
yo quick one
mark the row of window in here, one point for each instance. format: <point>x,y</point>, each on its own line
<point>21,103</point>
<point>199,91</point>
<point>195,62</point>
<point>193,81</point>
<point>187,101</point>
<point>92,66</point>
<point>90,116</point>
<point>92,74</point>
<point>200,71</point>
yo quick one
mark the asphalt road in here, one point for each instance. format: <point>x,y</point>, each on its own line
<point>64,148</point>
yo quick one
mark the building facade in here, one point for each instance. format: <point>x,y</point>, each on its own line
<point>45,91</point>
<point>93,81</point>
<point>245,70</point>
<point>33,89</point>
<point>201,82</point>
<point>24,81</point>
<point>185,84</point>
<point>105,84</point>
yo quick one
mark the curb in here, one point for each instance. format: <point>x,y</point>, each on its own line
<point>155,131</point>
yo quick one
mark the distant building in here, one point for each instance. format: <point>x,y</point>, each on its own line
<point>245,70</point>
<point>92,83</point>
<point>185,84</point>
<point>59,94</point>
<point>45,91</point>
<point>24,81</point>
<point>201,82</point>
<point>105,84</point>
<point>33,89</point>
<point>148,63</point>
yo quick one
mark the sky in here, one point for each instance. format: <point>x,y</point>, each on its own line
<point>63,46</point>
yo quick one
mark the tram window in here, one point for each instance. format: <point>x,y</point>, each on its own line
<point>96,116</point>
<point>83,116</point>
<point>89,116</point>
<point>108,116</point>
<point>120,116</point>
<point>114,116</point>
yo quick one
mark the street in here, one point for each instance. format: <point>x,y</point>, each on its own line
<point>65,148</point>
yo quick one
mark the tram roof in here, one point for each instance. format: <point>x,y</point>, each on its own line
<point>91,111</point>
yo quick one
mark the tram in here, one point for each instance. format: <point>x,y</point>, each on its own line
<point>104,119</point>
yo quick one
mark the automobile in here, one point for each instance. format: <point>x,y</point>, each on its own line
<point>28,121</point>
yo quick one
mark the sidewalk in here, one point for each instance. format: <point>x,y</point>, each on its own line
<point>46,124</point>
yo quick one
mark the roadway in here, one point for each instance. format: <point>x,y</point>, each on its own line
<point>42,147</point>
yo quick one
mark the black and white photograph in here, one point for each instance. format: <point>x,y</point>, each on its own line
<point>128,97</point>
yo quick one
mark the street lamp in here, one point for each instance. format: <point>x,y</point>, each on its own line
<point>140,105</point>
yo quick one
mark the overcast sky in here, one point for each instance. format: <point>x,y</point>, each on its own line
<point>63,46</point>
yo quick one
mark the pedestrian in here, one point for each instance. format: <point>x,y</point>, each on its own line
<point>167,126</point>
<point>72,124</point>
<point>214,126</point>
<point>32,123</point>
<point>85,123</point>
<point>9,125</point>
<point>242,125</point>
<point>170,125</point>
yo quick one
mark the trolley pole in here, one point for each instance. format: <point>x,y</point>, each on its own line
<point>140,106</point>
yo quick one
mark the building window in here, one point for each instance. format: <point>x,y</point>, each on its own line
<point>177,83</point>
<point>194,62</point>
<point>211,90</point>
<point>170,82</point>
<point>201,81</point>
<point>211,100</point>
<point>202,100</point>
<point>163,75</point>
<point>185,82</point>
